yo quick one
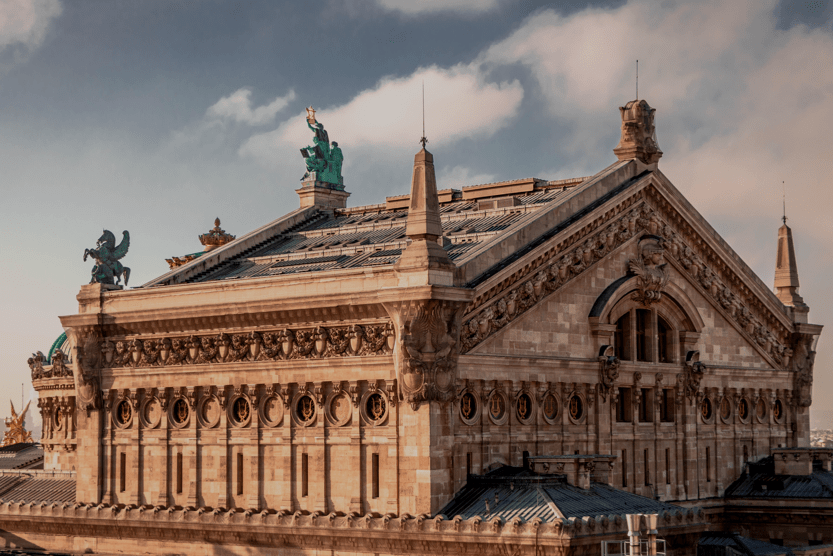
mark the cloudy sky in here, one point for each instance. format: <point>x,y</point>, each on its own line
<point>158,116</point>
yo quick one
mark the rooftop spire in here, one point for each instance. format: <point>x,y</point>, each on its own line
<point>786,269</point>
<point>423,226</point>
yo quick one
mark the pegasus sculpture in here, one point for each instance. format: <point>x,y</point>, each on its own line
<point>107,255</point>
<point>15,433</point>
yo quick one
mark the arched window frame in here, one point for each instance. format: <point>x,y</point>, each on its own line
<point>675,308</point>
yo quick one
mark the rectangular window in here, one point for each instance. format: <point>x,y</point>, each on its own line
<point>622,338</point>
<point>468,464</point>
<point>624,468</point>
<point>667,466</point>
<point>179,473</point>
<point>122,472</point>
<point>643,335</point>
<point>646,406</point>
<point>647,463</point>
<point>304,475</point>
<point>664,345</point>
<point>623,406</point>
<point>708,464</point>
<point>666,409</point>
<point>239,473</point>
<point>375,475</point>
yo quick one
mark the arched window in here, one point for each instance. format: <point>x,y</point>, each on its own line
<point>665,341</point>
<point>644,335</point>
<point>622,338</point>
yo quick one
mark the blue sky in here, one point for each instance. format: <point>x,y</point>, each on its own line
<point>158,116</point>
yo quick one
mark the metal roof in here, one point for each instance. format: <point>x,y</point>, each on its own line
<point>374,236</point>
<point>37,488</point>
<point>761,482</point>
<point>523,494</point>
<point>744,545</point>
<point>21,456</point>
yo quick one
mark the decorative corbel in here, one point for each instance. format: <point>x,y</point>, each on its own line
<point>390,388</point>
<point>354,392</point>
<point>608,370</point>
<point>285,394</point>
<point>319,394</point>
<point>590,395</point>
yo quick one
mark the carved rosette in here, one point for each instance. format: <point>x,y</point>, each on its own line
<point>426,349</point>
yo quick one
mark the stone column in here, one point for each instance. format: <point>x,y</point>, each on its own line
<point>357,500</point>
<point>225,455</point>
<point>252,452</point>
<point>164,461</point>
<point>286,451</point>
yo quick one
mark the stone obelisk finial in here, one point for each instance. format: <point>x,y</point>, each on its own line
<point>786,272</point>
<point>423,227</point>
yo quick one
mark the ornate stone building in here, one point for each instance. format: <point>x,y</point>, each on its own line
<point>336,378</point>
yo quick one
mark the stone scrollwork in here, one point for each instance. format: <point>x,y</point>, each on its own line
<point>427,350</point>
<point>88,357</point>
<point>279,345</point>
<point>608,370</point>
<point>802,365</point>
<point>649,268</point>
<point>693,374</point>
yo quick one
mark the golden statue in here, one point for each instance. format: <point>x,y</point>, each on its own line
<point>15,433</point>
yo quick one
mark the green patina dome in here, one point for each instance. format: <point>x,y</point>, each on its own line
<point>62,342</point>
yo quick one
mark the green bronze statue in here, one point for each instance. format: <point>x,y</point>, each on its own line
<point>107,255</point>
<point>323,159</point>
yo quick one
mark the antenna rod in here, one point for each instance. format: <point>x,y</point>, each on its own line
<point>423,139</point>
<point>637,80</point>
<point>784,218</point>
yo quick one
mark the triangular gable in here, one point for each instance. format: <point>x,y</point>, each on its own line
<point>651,206</point>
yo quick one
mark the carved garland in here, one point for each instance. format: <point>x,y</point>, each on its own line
<point>549,276</point>
<point>285,344</point>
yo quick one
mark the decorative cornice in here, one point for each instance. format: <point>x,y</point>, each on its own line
<point>335,531</point>
<point>268,345</point>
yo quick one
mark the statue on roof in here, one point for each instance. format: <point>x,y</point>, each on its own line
<point>323,159</point>
<point>15,432</point>
<point>107,255</point>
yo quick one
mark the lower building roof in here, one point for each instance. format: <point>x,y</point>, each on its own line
<point>510,492</point>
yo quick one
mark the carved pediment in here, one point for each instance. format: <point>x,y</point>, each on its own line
<point>666,236</point>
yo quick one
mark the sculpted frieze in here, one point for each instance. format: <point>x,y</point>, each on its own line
<point>659,242</point>
<point>286,344</point>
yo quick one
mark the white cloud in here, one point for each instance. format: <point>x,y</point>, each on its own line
<point>25,22</point>
<point>459,103</point>
<point>238,108</point>
<point>460,176</point>
<point>740,104</point>
<point>423,7</point>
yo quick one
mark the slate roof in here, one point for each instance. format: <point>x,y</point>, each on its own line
<point>526,495</point>
<point>37,487</point>
<point>761,482</point>
<point>21,456</point>
<point>374,235</point>
<point>750,547</point>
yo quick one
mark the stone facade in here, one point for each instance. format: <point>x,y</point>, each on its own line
<point>595,316</point>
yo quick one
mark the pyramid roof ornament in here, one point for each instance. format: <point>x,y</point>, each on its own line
<point>423,226</point>
<point>786,270</point>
